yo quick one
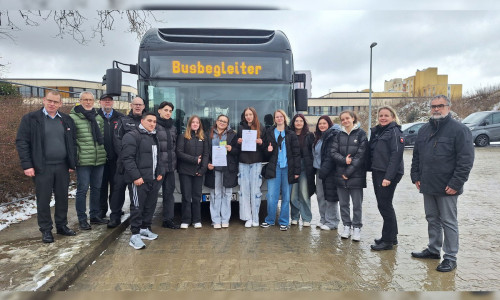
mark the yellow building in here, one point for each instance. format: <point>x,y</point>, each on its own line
<point>425,83</point>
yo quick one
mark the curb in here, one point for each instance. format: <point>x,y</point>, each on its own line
<point>77,265</point>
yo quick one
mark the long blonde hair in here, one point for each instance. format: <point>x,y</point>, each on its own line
<point>200,134</point>
<point>393,113</point>
<point>287,120</point>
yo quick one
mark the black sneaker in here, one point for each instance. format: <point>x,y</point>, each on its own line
<point>114,223</point>
<point>378,241</point>
<point>64,230</point>
<point>170,224</point>
<point>98,221</point>
<point>265,225</point>
<point>447,265</point>
<point>283,227</point>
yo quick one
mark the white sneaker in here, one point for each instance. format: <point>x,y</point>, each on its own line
<point>306,224</point>
<point>325,227</point>
<point>248,224</point>
<point>319,224</point>
<point>255,224</point>
<point>225,225</point>
<point>346,233</point>
<point>217,226</point>
<point>136,242</point>
<point>147,234</point>
<point>356,235</point>
<point>184,225</point>
<point>295,222</point>
<point>197,225</point>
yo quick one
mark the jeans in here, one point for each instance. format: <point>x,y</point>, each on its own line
<point>108,177</point>
<point>220,201</point>
<point>441,215</point>
<point>85,176</point>
<point>250,180</point>
<point>300,200</point>
<point>345,211</point>
<point>274,186</point>
<point>191,198</point>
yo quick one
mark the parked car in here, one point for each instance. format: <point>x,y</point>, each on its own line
<point>485,127</point>
<point>410,131</point>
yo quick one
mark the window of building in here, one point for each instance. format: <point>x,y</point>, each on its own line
<point>76,91</point>
<point>25,91</point>
<point>343,108</point>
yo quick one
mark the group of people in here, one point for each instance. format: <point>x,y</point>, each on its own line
<point>142,150</point>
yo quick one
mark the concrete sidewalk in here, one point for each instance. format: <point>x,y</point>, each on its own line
<point>28,264</point>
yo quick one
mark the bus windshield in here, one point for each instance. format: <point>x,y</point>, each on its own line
<point>209,100</point>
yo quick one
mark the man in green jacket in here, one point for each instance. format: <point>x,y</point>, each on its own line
<point>91,157</point>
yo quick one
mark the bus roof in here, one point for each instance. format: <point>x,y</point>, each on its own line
<point>215,39</point>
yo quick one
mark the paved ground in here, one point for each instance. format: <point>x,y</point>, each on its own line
<point>305,259</point>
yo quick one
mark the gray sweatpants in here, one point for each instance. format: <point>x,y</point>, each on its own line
<point>345,210</point>
<point>441,215</point>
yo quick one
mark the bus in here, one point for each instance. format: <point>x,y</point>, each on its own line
<point>208,72</point>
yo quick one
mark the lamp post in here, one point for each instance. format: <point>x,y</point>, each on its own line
<point>370,97</point>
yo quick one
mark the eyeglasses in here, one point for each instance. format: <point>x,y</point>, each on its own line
<point>52,102</point>
<point>137,104</point>
<point>87,100</point>
<point>440,106</point>
<point>222,121</point>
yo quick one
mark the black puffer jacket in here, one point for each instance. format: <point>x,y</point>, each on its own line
<point>292,154</point>
<point>250,157</point>
<point>125,124</point>
<point>188,152</point>
<point>307,159</point>
<point>30,141</point>
<point>386,150</point>
<point>230,173</point>
<point>443,156</point>
<point>109,128</point>
<point>356,145</point>
<point>171,133</point>
<point>137,155</point>
<point>327,170</point>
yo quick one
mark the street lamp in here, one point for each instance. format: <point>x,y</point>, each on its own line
<point>370,101</point>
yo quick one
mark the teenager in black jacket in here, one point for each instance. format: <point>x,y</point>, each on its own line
<point>143,153</point>
<point>192,161</point>
<point>300,197</point>
<point>348,151</point>
<point>385,160</point>
<point>222,179</point>
<point>283,169</point>
<point>166,124</point>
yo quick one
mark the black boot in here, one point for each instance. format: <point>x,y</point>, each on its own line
<point>382,246</point>
<point>47,236</point>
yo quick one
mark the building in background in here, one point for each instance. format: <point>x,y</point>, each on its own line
<point>425,83</point>
<point>308,84</point>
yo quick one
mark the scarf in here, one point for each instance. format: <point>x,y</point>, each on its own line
<point>91,115</point>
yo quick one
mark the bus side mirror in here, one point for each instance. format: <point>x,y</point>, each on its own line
<point>113,82</point>
<point>300,99</point>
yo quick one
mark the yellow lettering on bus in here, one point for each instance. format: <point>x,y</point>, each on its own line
<point>250,70</point>
<point>243,68</point>
<point>176,67</point>
<point>201,68</point>
<point>230,69</point>
<point>257,69</point>
<point>217,71</point>
<point>192,69</point>
<point>209,69</point>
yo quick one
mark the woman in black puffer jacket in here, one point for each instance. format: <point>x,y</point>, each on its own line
<point>386,163</point>
<point>348,152</point>
<point>192,161</point>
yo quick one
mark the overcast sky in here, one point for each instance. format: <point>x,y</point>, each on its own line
<point>330,40</point>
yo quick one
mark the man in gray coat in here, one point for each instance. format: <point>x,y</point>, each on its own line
<point>442,159</point>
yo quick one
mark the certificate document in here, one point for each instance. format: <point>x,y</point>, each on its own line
<point>249,137</point>
<point>219,156</point>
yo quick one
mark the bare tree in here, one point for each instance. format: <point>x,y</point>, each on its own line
<point>73,23</point>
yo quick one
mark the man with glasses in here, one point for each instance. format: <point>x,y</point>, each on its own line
<point>91,159</point>
<point>110,117</point>
<point>47,151</point>
<point>125,124</point>
<point>442,159</point>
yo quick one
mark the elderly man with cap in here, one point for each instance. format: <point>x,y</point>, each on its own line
<point>110,117</point>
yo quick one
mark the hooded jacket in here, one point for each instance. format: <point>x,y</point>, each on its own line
<point>168,127</point>
<point>139,158</point>
<point>327,170</point>
<point>89,152</point>
<point>355,144</point>
<point>188,152</point>
<point>443,156</point>
<point>307,158</point>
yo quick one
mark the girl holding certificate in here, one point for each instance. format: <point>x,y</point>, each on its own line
<point>283,169</point>
<point>192,153</point>
<point>222,174</point>
<point>250,167</point>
